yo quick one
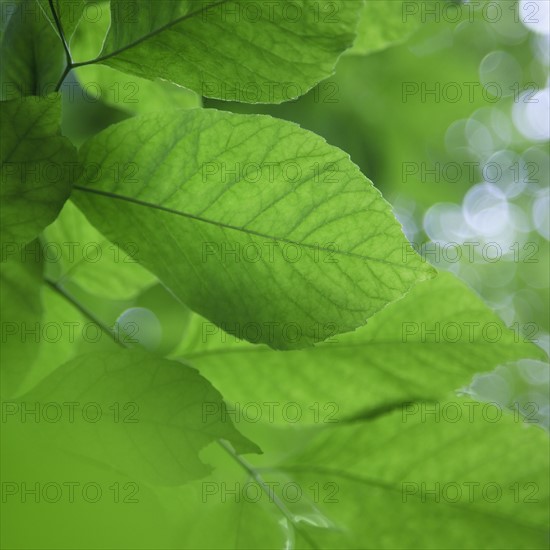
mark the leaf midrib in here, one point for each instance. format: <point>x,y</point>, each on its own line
<point>252,232</point>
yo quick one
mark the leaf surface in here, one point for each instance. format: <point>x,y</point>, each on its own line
<point>433,340</point>
<point>254,223</point>
<point>32,53</point>
<point>124,91</point>
<point>240,50</point>
<point>69,13</point>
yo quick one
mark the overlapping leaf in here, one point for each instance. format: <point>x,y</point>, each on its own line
<point>353,486</point>
<point>433,340</point>
<point>253,222</point>
<point>135,412</point>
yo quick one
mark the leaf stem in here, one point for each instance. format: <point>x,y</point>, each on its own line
<point>68,56</point>
<point>254,474</point>
<point>67,70</point>
<point>72,65</point>
<point>61,33</point>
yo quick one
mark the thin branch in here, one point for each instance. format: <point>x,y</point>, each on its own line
<point>67,70</point>
<point>61,33</point>
<point>254,474</point>
<point>68,56</point>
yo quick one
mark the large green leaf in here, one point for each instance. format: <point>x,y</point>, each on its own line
<point>386,22</point>
<point>20,312</point>
<point>38,167</point>
<point>433,340</point>
<point>32,54</point>
<point>318,250</point>
<point>137,413</point>
<point>444,475</point>
<point>250,51</point>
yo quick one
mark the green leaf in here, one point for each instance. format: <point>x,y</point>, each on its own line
<point>81,254</point>
<point>38,165</point>
<point>118,89</point>
<point>243,50</point>
<point>434,339</point>
<point>32,54</point>
<point>389,483</point>
<point>316,249</point>
<point>386,22</point>
<point>146,415</point>
<point>69,13</point>
<point>20,312</point>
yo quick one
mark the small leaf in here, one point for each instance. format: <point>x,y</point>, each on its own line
<point>38,165</point>
<point>145,415</point>
<point>242,50</point>
<point>298,247</point>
